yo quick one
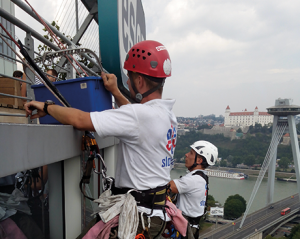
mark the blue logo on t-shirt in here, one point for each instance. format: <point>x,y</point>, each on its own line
<point>167,162</point>
<point>171,139</point>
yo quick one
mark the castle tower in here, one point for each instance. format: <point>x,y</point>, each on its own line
<point>255,115</point>
<point>227,113</point>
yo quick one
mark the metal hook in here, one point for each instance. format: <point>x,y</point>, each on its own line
<point>131,190</point>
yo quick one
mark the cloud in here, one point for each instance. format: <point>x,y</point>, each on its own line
<point>242,53</point>
<point>238,53</point>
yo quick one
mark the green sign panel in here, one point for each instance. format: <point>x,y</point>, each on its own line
<point>121,25</point>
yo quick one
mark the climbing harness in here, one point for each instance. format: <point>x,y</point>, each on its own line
<point>194,221</point>
<point>89,145</point>
<point>151,198</point>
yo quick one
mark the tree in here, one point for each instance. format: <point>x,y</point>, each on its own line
<point>239,130</point>
<point>229,158</point>
<point>283,163</point>
<point>260,160</point>
<point>210,201</point>
<point>269,237</point>
<point>223,163</point>
<point>233,209</point>
<point>295,232</point>
<point>238,197</point>
<point>249,160</point>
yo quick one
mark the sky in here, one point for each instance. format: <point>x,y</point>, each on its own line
<point>224,52</point>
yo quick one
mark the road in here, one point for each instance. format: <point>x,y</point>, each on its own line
<point>256,220</point>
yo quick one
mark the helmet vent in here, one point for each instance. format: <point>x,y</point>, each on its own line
<point>149,54</point>
<point>144,58</point>
<point>143,51</point>
<point>138,56</point>
<point>212,159</point>
<point>137,50</point>
<point>132,49</point>
<point>133,55</point>
<point>153,64</point>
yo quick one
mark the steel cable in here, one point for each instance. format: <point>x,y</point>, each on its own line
<point>278,133</point>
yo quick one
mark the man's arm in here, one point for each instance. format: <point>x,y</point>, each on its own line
<point>173,187</point>
<point>69,116</point>
<point>111,84</point>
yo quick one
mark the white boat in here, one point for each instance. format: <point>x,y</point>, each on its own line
<point>225,174</point>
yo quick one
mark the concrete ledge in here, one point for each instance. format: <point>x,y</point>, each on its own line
<point>26,146</point>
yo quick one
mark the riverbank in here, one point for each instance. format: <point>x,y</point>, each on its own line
<point>249,172</point>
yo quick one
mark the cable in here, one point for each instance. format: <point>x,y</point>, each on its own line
<point>278,133</point>
<point>60,8</point>
<point>69,19</point>
<point>66,12</point>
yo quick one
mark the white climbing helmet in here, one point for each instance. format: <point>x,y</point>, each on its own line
<point>207,150</point>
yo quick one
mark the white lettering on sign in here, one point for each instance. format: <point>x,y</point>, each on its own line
<point>216,211</point>
<point>131,27</point>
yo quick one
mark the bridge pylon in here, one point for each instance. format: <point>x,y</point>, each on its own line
<point>284,121</point>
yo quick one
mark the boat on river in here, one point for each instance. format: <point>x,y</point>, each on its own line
<point>226,174</point>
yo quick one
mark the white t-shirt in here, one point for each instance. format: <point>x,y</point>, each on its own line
<point>192,194</point>
<point>147,134</point>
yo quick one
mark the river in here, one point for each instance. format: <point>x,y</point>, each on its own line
<point>222,188</point>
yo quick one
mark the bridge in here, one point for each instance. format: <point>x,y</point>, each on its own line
<point>260,223</point>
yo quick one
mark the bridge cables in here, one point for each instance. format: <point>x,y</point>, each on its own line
<point>276,136</point>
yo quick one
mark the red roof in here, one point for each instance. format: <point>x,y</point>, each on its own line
<point>227,107</point>
<point>245,109</point>
<point>241,113</point>
<point>286,135</point>
<point>247,113</point>
<point>221,125</point>
<point>256,108</point>
<point>263,113</point>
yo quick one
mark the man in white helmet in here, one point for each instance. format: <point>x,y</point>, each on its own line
<point>192,188</point>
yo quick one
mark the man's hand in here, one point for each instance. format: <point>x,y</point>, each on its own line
<point>173,187</point>
<point>110,82</point>
<point>31,106</point>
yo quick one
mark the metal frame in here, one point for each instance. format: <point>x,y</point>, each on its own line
<point>35,144</point>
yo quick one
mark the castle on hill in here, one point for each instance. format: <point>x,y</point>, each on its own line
<point>246,118</point>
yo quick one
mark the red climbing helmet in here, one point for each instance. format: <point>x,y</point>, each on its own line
<point>149,58</point>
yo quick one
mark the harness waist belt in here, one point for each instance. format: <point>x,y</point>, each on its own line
<point>194,220</point>
<point>153,198</point>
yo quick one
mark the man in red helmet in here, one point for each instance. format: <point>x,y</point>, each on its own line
<point>147,131</point>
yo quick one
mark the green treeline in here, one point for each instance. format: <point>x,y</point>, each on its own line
<point>251,150</point>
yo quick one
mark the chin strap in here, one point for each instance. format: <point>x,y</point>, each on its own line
<point>138,96</point>
<point>195,163</point>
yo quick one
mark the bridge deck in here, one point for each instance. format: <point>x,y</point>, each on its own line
<point>257,222</point>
